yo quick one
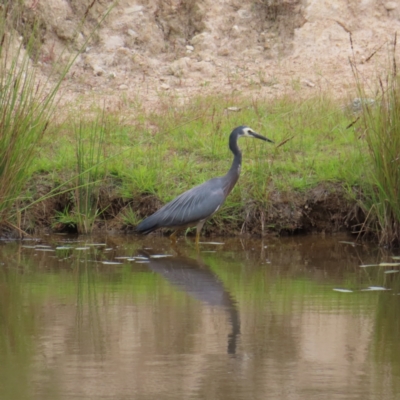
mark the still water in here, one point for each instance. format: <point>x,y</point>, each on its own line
<point>120,318</point>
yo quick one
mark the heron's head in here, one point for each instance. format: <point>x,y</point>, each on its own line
<point>245,131</point>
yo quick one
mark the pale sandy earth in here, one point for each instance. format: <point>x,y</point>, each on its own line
<point>147,51</point>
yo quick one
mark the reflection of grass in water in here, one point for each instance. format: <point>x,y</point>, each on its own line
<point>92,288</point>
<point>261,287</point>
<point>87,306</point>
<point>18,325</point>
<point>122,281</point>
<point>386,344</point>
<point>250,286</point>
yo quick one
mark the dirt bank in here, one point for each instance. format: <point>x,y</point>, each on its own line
<point>263,48</point>
<point>326,208</point>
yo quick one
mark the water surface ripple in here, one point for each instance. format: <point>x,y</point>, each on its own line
<point>121,317</point>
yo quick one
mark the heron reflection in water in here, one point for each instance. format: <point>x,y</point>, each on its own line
<point>199,282</point>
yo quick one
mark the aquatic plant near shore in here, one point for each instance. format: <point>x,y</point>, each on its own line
<point>90,142</point>
<point>27,104</point>
<point>381,123</point>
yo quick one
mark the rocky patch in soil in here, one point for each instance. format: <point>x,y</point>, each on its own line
<point>262,48</point>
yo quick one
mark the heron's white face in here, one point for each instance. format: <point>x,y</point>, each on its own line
<point>245,131</point>
<point>248,132</point>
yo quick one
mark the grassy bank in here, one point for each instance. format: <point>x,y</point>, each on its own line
<point>146,160</point>
<point>28,102</point>
<point>330,168</point>
<point>380,125</point>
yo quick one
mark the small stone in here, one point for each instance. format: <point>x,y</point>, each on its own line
<point>132,33</point>
<point>95,64</point>
<point>113,42</point>
<point>189,48</point>
<point>124,51</point>
<point>244,14</point>
<point>390,5</point>
<point>66,30</point>
<point>98,71</point>
<point>180,67</point>
<point>224,51</point>
<point>236,32</point>
<point>205,68</point>
<point>134,9</point>
<point>199,39</point>
<point>164,86</point>
<point>123,87</point>
<point>233,109</point>
<point>308,83</point>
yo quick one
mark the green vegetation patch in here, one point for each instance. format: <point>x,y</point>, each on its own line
<point>158,155</point>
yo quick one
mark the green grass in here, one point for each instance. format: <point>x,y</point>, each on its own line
<point>167,152</point>
<point>381,183</point>
<point>27,105</point>
<point>159,154</point>
<point>25,109</point>
<point>162,153</point>
<point>90,174</point>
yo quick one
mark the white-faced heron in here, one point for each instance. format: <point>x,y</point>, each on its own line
<point>195,206</point>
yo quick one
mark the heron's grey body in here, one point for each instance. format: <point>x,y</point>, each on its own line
<point>188,209</point>
<point>195,206</point>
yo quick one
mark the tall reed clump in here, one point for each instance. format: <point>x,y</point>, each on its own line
<point>90,146</point>
<point>381,124</point>
<point>26,105</point>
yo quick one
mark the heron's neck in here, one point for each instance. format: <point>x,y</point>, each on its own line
<point>234,170</point>
<point>233,174</point>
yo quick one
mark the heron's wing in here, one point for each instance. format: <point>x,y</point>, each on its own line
<point>194,205</point>
<point>190,207</point>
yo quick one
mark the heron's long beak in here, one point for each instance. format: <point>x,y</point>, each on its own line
<point>257,136</point>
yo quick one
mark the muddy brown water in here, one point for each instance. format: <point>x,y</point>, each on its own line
<point>119,317</point>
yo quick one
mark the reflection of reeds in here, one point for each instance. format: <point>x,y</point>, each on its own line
<point>382,134</point>
<point>386,344</point>
<point>18,323</point>
<point>88,317</point>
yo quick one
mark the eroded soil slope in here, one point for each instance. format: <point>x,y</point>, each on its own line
<point>260,47</point>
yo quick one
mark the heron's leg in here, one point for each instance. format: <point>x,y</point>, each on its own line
<point>199,227</point>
